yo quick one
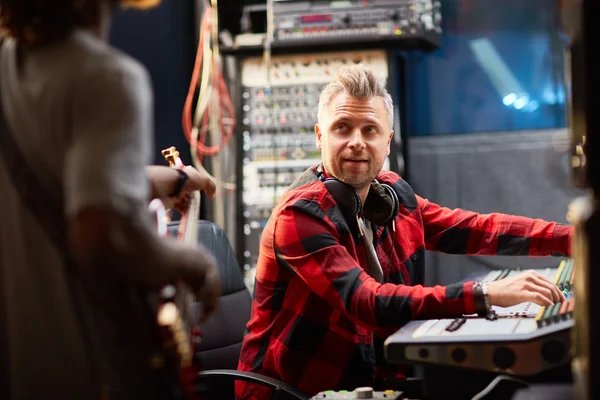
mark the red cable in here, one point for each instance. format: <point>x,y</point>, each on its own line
<point>225,106</point>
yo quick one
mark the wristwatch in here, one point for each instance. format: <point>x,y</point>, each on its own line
<point>183,177</point>
<point>482,300</point>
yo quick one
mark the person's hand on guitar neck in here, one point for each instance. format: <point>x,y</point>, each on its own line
<point>174,188</point>
<point>196,180</point>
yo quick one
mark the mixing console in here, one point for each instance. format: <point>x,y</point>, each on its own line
<point>279,114</point>
<point>525,339</point>
<point>360,393</point>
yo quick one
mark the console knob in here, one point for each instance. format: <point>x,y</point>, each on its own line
<point>504,357</point>
<point>364,393</point>
<point>459,355</point>
<point>553,351</point>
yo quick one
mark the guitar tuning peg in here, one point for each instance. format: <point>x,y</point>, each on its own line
<point>171,155</point>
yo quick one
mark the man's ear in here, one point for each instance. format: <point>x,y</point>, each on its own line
<point>387,151</point>
<point>318,134</point>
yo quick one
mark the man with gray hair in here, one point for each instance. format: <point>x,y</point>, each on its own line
<point>341,260</point>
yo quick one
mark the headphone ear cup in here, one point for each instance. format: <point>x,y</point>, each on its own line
<point>382,204</point>
<point>345,196</point>
<point>395,201</point>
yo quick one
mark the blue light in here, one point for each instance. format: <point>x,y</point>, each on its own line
<point>509,99</point>
<point>549,96</point>
<point>532,106</point>
<point>521,102</point>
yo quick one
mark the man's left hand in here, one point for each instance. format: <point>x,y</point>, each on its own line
<point>526,286</point>
<point>197,180</point>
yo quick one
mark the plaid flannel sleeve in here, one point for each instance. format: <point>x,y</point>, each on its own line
<point>308,245</point>
<point>464,232</point>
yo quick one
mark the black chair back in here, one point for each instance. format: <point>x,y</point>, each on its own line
<point>222,334</point>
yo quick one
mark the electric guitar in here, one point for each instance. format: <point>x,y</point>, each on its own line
<point>175,316</point>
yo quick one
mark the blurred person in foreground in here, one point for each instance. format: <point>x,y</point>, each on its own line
<point>78,252</point>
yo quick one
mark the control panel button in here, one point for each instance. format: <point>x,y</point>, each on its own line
<point>364,393</point>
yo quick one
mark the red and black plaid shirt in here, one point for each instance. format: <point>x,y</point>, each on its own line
<point>315,310</point>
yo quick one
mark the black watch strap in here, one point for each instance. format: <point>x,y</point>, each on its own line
<point>183,177</point>
<point>480,306</point>
<point>483,307</point>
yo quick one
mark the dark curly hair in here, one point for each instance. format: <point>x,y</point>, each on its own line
<point>35,22</point>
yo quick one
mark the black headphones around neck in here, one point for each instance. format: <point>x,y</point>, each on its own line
<point>381,205</point>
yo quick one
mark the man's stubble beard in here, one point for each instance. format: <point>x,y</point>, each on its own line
<point>360,181</point>
<point>357,182</point>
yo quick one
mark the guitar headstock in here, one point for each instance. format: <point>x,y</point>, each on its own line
<point>172,156</point>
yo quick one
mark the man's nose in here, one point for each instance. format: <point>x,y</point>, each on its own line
<point>356,139</point>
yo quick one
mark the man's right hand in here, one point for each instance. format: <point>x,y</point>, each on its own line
<point>200,273</point>
<point>524,287</point>
<point>111,247</point>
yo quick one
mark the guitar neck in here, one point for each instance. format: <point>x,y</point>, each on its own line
<point>191,217</point>
<point>183,322</point>
<point>188,233</point>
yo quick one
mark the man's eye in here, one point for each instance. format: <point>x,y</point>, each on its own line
<point>371,129</point>
<point>340,127</point>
